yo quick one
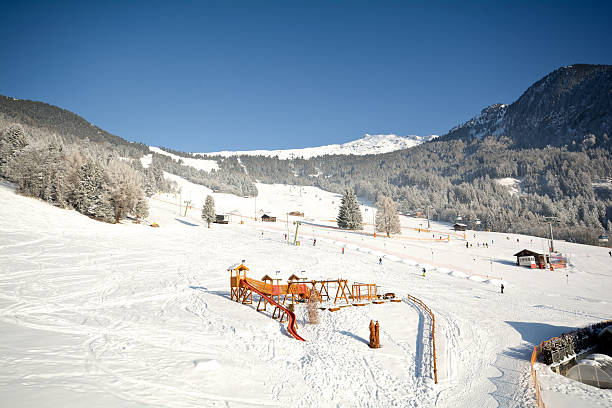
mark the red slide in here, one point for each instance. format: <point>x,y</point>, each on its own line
<point>291,325</point>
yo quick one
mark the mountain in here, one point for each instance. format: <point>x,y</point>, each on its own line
<point>60,121</point>
<point>570,106</point>
<point>370,144</point>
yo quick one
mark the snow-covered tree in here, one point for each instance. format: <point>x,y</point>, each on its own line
<point>91,195</point>
<point>12,141</point>
<point>125,185</point>
<point>387,219</point>
<point>349,214</point>
<point>142,209</point>
<point>208,211</point>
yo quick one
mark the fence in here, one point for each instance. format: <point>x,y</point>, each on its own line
<point>433,331</point>
<point>534,357</point>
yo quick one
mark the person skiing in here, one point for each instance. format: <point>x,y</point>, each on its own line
<point>502,288</point>
<point>424,272</point>
<point>380,261</point>
<point>314,242</point>
<point>467,245</point>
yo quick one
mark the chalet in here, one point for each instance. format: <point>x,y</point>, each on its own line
<point>222,219</point>
<point>268,218</point>
<point>459,227</point>
<point>296,214</point>
<point>531,259</point>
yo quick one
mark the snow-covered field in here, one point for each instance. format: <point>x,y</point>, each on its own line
<point>93,314</point>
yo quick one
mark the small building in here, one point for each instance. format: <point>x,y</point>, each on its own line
<point>459,227</point>
<point>268,218</point>
<point>222,219</point>
<point>418,214</point>
<point>540,260</point>
<point>603,239</point>
<point>296,214</point>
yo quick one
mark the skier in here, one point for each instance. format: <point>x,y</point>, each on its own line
<point>285,237</point>
<point>502,288</point>
<point>467,245</point>
<point>424,272</point>
<point>314,242</point>
<point>380,261</point>
<point>610,253</point>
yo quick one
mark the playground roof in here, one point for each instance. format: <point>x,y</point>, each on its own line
<point>294,277</point>
<point>238,267</point>
<point>266,278</point>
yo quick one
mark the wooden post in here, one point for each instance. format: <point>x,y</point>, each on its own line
<point>374,334</point>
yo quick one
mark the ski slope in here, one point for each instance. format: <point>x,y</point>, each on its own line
<point>93,314</point>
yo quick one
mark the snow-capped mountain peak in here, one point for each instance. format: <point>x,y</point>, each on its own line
<point>369,144</point>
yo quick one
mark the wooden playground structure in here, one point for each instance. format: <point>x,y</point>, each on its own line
<point>282,297</point>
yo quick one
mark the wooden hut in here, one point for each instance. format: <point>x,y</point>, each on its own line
<point>459,227</point>
<point>221,219</point>
<point>268,218</point>
<point>296,214</point>
<point>540,259</point>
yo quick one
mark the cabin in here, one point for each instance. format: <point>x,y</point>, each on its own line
<point>268,218</point>
<point>296,214</point>
<point>222,219</point>
<point>459,227</point>
<point>525,258</point>
<point>603,239</point>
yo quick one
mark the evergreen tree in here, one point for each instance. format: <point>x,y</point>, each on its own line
<point>208,211</point>
<point>387,219</point>
<point>91,195</point>
<point>142,209</point>
<point>349,214</point>
<point>12,141</point>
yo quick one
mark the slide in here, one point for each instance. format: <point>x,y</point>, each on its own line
<point>291,325</point>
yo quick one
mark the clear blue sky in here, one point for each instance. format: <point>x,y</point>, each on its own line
<point>206,76</point>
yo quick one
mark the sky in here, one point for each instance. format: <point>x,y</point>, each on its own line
<point>237,75</point>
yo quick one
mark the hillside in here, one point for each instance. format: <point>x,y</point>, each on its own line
<point>571,106</point>
<point>52,119</point>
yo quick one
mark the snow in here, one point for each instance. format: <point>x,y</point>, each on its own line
<point>369,144</point>
<point>513,184</point>
<point>99,315</point>
<point>200,164</point>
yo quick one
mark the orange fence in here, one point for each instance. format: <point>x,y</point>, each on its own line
<point>433,331</point>
<point>534,357</point>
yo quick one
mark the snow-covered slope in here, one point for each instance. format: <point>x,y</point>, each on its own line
<point>370,144</point>
<point>200,164</point>
<point>101,315</point>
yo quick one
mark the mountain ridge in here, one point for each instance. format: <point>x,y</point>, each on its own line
<point>568,107</point>
<point>369,144</point>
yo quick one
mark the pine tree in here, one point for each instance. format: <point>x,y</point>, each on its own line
<point>349,214</point>
<point>208,211</point>
<point>12,141</point>
<point>387,219</point>
<point>141,210</point>
<point>91,194</point>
